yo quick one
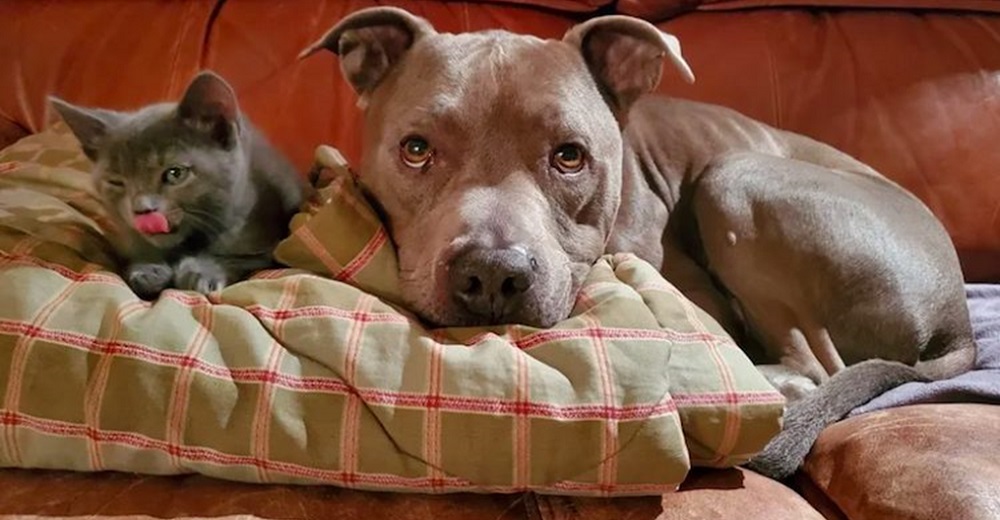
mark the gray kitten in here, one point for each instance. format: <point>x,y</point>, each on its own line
<point>200,196</point>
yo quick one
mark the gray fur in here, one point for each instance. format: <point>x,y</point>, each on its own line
<point>227,214</point>
<point>806,418</point>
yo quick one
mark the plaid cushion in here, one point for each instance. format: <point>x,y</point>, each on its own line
<point>338,235</point>
<point>294,377</point>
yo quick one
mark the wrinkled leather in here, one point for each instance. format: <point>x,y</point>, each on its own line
<point>734,493</point>
<point>82,50</point>
<point>707,494</point>
<point>10,132</point>
<point>659,10</point>
<point>923,462</point>
<point>562,5</point>
<point>115,494</point>
<point>915,95</point>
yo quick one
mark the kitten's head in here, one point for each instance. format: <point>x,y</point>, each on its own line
<point>167,170</point>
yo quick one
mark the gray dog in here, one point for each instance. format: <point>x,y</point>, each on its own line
<point>505,165</point>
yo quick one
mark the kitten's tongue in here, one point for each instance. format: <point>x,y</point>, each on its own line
<point>151,223</point>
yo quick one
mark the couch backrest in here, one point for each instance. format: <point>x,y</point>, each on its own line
<point>915,93</point>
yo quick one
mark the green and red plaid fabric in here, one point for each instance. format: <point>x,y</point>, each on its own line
<point>296,377</point>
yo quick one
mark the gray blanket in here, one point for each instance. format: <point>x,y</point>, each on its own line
<point>979,385</point>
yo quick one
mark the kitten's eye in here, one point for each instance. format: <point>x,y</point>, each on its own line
<point>175,174</point>
<point>114,183</point>
<point>569,158</point>
<point>416,152</point>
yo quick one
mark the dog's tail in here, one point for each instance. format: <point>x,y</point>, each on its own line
<point>853,386</point>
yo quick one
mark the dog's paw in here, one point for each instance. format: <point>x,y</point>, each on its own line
<point>201,274</point>
<point>148,280</point>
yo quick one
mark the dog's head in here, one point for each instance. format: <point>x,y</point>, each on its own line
<point>495,158</point>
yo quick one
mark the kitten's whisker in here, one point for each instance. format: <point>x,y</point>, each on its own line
<point>211,223</point>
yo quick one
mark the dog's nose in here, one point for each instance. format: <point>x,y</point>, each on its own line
<point>491,283</point>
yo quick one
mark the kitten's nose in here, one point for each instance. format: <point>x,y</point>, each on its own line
<point>145,204</point>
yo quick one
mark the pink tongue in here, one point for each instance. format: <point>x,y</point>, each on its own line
<point>151,223</point>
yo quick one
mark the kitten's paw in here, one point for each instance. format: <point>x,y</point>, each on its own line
<point>148,280</point>
<point>200,274</point>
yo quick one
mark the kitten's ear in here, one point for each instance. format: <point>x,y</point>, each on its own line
<point>209,106</point>
<point>89,125</point>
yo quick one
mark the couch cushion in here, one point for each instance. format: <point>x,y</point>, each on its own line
<point>708,494</point>
<point>921,462</point>
<point>55,494</point>
<point>705,495</point>
<point>734,493</point>
<point>104,52</point>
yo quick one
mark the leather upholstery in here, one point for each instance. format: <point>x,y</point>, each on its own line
<point>658,10</point>
<point>114,495</point>
<point>708,494</point>
<point>914,95</point>
<point>935,461</point>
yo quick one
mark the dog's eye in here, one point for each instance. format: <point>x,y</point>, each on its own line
<point>569,158</point>
<point>416,152</point>
<point>175,174</point>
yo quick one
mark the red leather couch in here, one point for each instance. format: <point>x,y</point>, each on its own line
<point>910,87</point>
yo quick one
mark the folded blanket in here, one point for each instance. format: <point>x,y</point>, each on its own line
<point>979,385</point>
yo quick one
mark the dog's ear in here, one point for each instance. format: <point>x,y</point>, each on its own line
<point>209,106</point>
<point>370,42</point>
<point>89,125</point>
<point>625,56</point>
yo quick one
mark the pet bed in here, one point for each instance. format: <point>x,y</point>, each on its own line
<point>311,374</point>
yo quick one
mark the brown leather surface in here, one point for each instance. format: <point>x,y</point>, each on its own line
<point>561,5</point>
<point>817,498</point>
<point>943,5</point>
<point>936,461</point>
<point>915,94</point>
<point>659,10</point>
<point>116,494</point>
<point>543,507</point>
<point>707,494</point>
<point>98,52</point>
<point>734,493</point>
<point>10,132</point>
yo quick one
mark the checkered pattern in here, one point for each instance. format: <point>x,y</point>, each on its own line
<point>293,377</point>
